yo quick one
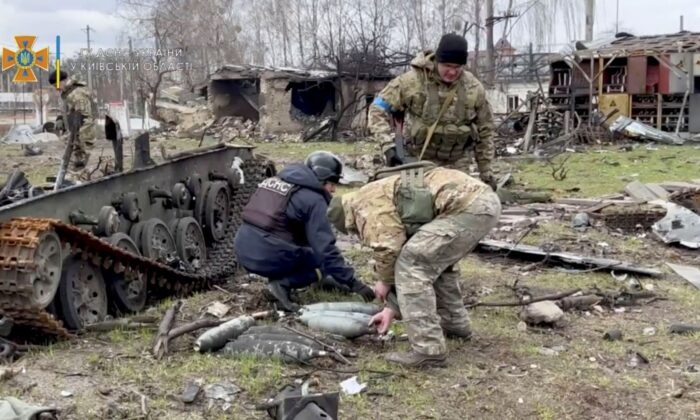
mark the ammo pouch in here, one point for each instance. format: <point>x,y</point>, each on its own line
<point>413,200</point>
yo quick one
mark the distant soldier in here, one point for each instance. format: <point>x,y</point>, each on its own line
<point>76,97</point>
<point>420,224</point>
<point>441,109</point>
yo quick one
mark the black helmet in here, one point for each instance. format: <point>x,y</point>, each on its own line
<point>325,165</point>
<point>61,76</point>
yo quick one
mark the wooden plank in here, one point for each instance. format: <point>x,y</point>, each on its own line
<point>677,185</point>
<point>657,190</point>
<point>639,192</point>
<point>578,201</point>
<point>597,207</point>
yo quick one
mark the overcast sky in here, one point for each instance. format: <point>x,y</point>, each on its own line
<point>68,18</point>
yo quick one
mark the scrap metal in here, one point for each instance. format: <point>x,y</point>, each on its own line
<point>680,225</point>
<point>637,130</point>
<point>564,258</point>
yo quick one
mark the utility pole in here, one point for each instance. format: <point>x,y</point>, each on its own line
<point>87,30</point>
<point>134,98</point>
<point>590,7</point>
<point>41,98</point>
<point>491,61</point>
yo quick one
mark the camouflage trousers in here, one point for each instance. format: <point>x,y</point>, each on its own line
<point>85,141</point>
<point>427,279</point>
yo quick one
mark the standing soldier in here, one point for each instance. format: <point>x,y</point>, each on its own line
<point>76,97</point>
<point>442,109</point>
<point>419,224</point>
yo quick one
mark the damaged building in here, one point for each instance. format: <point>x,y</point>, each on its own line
<point>651,79</point>
<point>285,100</point>
<point>517,74</point>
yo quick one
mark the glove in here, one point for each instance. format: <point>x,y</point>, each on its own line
<point>363,290</point>
<point>329,283</point>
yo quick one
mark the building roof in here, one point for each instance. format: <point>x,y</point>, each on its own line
<point>680,42</point>
<point>251,71</point>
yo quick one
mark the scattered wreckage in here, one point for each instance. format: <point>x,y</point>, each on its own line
<point>69,257</point>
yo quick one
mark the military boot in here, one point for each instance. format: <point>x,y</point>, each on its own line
<point>463,334</point>
<point>281,293</point>
<point>417,360</point>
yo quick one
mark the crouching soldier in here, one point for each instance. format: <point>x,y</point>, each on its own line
<point>420,224</point>
<point>286,235</point>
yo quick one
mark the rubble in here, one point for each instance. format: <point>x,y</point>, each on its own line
<point>25,134</point>
<point>638,130</point>
<point>544,312</point>
<point>679,226</point>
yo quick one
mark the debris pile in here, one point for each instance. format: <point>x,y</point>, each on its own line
<point>637,130</point>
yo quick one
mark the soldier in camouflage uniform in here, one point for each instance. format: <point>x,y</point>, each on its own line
<point>418,97</point>
<point>76,97</point>
<point>422,267</point>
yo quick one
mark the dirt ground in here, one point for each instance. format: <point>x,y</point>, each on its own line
<point>503,372</point>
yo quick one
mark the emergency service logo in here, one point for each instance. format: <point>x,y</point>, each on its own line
<point>24,59</point>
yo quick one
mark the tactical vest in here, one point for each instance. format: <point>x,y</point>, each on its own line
<point>412,198</point>
<point>450,139</point>
<point>266,208</point>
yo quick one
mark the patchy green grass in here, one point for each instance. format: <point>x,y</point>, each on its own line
<point>298,151</point>
<point>486,377</point>
<point>597,173</point>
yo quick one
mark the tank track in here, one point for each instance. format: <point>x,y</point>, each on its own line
<point>19,238</point>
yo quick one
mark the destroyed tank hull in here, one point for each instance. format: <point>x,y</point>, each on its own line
<point>70,257</point>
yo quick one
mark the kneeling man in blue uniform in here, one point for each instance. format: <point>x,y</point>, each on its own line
<point>286,235</point>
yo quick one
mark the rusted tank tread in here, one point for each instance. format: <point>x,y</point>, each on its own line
<point>20,236</point>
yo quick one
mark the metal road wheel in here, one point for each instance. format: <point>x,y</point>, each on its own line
<point>216,211</point>
<point>107,221</point>
<point>126,290</point>
<point>130,207</point>
<point>49,262</point>
<point>182,197</point>
<point>194,184</point>
<point>82,294</point>
<point>200,204</point>
<point>189,240</point>
<point>135,232</point>
<point>157,242</point>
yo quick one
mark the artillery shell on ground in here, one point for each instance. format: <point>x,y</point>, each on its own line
<point>290,337</point>
<point>306,316</point>
<point>348,327</point>
<point>268,329</point>
<point>285,350</point>
<point>216,338</point>
<point>361,307</point>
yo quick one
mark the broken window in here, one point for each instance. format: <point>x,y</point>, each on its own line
<point>312,98</point>
<point>236,98</point>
